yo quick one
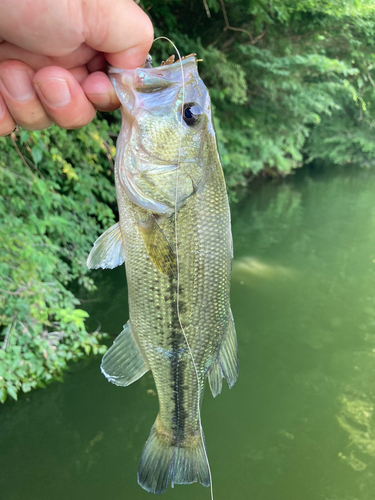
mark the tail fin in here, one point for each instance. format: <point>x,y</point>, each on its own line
<point>162,462</point>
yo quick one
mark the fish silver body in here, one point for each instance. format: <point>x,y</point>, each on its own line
<point>174,235</point>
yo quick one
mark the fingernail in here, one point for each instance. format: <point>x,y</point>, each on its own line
<point>55,92</point>
<point>18,85</point>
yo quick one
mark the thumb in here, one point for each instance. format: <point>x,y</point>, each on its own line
<point>120,29</point>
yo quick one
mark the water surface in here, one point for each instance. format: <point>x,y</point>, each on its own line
<point>298,425</point>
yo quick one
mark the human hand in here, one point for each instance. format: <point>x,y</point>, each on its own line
<point>53,55</point>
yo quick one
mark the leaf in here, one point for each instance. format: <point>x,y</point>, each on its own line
<point>12,391</point>
<point>26,387</point>
<point>3,394</point>
<point>24,136</point>
<point>37,154</point>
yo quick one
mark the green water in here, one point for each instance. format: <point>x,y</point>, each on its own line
<point>298,425</point>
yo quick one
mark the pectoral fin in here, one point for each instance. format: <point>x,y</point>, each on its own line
<point>124,363</point>
<point>226,366</point>
<point>107,251</point>
<point>158,247</point>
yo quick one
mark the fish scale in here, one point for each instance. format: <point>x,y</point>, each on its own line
<point>174,186</point>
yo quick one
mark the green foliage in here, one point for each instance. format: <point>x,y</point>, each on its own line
<point>54,202</point>
<point>288,80</point>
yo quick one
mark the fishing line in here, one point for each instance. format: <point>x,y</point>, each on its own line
<point>177,260</point>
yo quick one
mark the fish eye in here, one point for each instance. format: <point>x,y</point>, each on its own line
<point>191,113</point>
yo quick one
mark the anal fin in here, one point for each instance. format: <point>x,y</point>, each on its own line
<point>124,363</point>
<point>226,366</point>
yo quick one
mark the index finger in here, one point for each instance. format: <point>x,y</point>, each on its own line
<point>120,29</point>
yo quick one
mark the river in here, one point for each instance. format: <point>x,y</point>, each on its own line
<point>299,424</point>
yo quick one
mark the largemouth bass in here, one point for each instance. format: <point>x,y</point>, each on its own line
<point>174,236</point>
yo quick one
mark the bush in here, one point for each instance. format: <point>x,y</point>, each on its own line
<point>289,81</point>
<point>56,192</point>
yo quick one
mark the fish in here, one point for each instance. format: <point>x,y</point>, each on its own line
<point>174,236</point>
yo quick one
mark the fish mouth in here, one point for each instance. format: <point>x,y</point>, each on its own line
<point>150,79</point>
<point>165,65</point>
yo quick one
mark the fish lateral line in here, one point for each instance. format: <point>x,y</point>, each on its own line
<point>180,61</point>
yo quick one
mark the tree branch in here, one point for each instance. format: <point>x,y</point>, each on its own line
<point>232,28</point>
<point>13,137</point>
<point>370,79</point>
<point>257,38</point>
<point>207,8</point>
<point>17,292</point>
